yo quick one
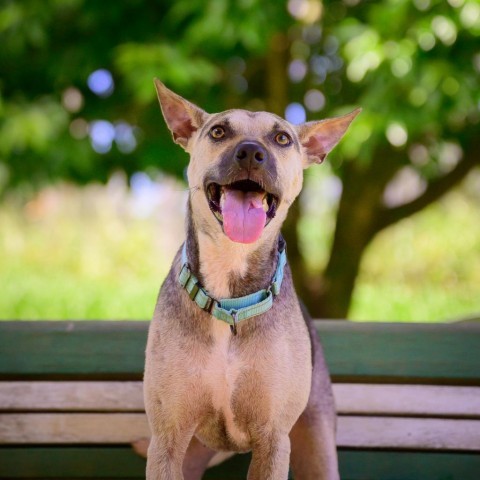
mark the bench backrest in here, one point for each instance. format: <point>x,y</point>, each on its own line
<point>73,389</point>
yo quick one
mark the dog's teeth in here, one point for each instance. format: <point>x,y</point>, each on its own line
<point>265,203</point>
<point>222,198</point>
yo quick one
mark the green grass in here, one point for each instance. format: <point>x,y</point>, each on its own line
<point>426,268</point>
<point>80,254</point>
<point>75,253</point>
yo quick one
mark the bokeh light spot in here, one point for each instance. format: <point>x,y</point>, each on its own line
<point>401,66</point>
<point>297,70</point>
<point>397,134</point>
<point>470,15</point>
<point>79,128</point>
<point>444,29</point>
<point>295,113</point>
<point>102,134</point>
<point>426,40</point>
<point>101,83</point>
<point>405,186</point>
<point>72,99</point>
<point>422,5</point>
<point>125,138</point>
<point>308,11</point>
<point>418,96</point>
<point>449,155</point>
<point>450,86</point>
<point>320,66</point>
<point>418,155</point>
<point>314,100</point>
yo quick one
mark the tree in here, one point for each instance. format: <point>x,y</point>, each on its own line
<point>414,68</point>
<point>412,65</point>
<point>49,51</point>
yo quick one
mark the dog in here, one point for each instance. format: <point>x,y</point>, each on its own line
<point>233,363</point>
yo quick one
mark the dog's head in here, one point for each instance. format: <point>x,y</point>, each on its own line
<point>246,168</point>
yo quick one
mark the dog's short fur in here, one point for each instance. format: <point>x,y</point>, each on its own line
<point>267,388</point>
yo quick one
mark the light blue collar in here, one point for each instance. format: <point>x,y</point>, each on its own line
<point>232,310</point>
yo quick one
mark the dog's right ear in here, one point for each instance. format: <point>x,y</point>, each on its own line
<point>183,117</point>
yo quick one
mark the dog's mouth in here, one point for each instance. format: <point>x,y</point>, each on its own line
<point>243,208</point>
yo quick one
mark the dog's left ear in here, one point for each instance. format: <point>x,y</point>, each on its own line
<point>183,117</point>
<point>319,138</point>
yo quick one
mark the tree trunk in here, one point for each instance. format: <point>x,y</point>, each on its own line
<point>361,215</point>
<point>355,227</point>
<point>276,85</point>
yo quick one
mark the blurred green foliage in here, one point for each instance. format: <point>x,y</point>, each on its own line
<point>52,46</point>
<point>413,65</point>
<point>83,253</point>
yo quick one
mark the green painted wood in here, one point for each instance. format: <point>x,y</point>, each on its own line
<point>71,462</point>
<point>121,463</point>
<point>436,353</point>
<point>371,465</point>
<point>72,348</point>
<point>432,353</point>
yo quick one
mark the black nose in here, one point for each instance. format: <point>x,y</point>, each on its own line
<point>250,155</point>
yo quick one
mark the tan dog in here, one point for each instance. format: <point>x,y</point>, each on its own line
<point>249,374</point>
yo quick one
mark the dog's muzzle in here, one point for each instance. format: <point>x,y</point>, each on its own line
<point>244,208</point>
<point>242,194</point>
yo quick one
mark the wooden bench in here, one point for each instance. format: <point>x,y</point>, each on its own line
<point>408,398</point>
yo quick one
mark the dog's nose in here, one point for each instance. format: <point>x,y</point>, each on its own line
<point>250,155</point>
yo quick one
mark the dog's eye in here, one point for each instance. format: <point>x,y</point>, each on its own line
<point>283,139</point>
<point>217,132</point>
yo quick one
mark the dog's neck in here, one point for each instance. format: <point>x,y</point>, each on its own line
<point>227,269</point>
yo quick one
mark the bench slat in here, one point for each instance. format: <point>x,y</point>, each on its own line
<point>357,399</point>
<point>408,433</point>
<point>407,400</point>
<point>365,432</point>
<point>75,396</point>
<point>434,353</point>
<point>56,428</point>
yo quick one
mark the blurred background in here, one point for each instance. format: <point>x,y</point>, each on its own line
<point>92,192</point>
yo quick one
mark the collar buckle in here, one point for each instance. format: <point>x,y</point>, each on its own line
<point>233,326</point>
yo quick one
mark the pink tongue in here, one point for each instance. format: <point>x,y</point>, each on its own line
<point>243,215</point>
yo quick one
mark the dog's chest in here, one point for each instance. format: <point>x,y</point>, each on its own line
<point>220,375</point>
<point>223,364</point>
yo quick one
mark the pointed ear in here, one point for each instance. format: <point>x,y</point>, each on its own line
<point>182,117</point>
<point>319,138</point>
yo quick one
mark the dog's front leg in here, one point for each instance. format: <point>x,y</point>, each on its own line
<point>166,454</point>
<point>314,450</point>
<point>270,458</point>
<point>314,453</point>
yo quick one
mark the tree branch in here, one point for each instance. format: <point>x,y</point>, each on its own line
<point>435,190</point>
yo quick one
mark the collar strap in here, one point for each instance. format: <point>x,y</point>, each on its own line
<point>233,310</point>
